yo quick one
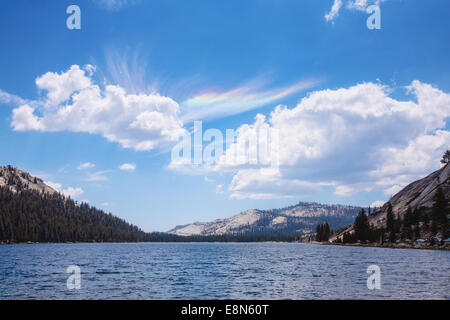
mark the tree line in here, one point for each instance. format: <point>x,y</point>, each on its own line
<point>30,215</point>
<point>33,216</point>
<point>413,225</point>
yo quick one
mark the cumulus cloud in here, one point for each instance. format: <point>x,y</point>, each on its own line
<point>377,204</point>
<point>251,184</point>
<point>128,167</point>
<point>68,192</point>
<point>72,102</point>
<point>86,165</point>
<point>54,185</point>
<point>8,98</point>
<point>72,192</point>
<point>60,87</point>
<point>355,139</point>
<point>344,190</point>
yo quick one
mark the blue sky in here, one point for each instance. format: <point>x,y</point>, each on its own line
<point>364,111</point>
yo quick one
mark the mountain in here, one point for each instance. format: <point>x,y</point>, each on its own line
<point>301,218</point>
<point>420,195</point>
<point>32,211</point>
<point>16,179</point>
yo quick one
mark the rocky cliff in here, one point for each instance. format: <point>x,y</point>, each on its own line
<point>17,179</point>
<point>418,194</point>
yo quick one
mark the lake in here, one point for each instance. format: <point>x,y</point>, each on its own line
<point>220,271</point>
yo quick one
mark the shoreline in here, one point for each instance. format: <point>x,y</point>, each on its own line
<point>423,246</point>
<point>402,245</point>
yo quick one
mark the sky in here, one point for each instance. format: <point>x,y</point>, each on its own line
<point>97,112</point>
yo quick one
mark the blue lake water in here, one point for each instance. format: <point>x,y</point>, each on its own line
<point>220,271</point>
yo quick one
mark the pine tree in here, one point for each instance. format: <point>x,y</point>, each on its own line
<point>326,232</point>
<point>439,212</point>
<point>362,227</point>
<point>319,232</point>
<point>446,157</point>
<point>323,232</point>
<point>390,223</point>
<point>407,224</point>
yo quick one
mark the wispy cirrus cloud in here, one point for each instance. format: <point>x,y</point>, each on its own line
<point>98,176</point>
<point>126,68</point>
<point>334,11</point>
<point>86,165</point>
<point>216,104</point>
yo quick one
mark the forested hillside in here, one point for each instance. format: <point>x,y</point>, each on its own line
<point>30,215</point>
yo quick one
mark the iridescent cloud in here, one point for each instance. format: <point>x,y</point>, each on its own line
<point>214,104</point>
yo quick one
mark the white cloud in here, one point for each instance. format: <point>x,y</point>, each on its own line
<point>98,176</point>
<point>8,98</point>
<point>399,164</point>
<point>251,184</point>
<point>361,5</point>
<point>393,189</point>
<point>128,167</point>
<point>377,204</point>
<point>86,165</point>
<point>74,103</point>
<point>355,5</point>
<point>54,185</point>
<point>344,191</point>
<point>355,139</point>
<point>60,87</point>
<point>219,189</point>
<point>72,192</point>
<point>24,119</point>
<point>334,12</point>
<point>68,192</point>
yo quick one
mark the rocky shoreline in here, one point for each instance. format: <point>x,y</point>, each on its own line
<point>401,245</point>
